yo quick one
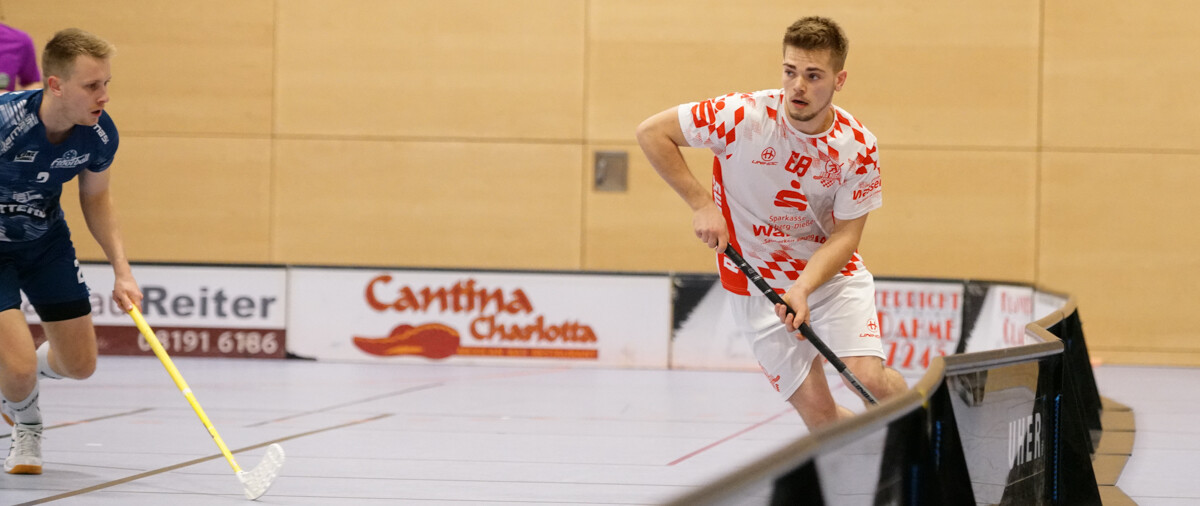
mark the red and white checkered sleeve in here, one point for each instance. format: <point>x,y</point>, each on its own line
<point>862,187</point>
<point>712,123</point>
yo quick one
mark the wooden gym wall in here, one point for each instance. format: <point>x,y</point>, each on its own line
<point>1023,140</point>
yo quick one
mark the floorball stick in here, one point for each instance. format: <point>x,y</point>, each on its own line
<point>805,329</point>
<point>257,480</point>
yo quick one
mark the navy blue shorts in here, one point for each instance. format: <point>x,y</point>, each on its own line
<point>48,272</point>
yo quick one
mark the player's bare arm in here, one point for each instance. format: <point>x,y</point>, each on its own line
<point>660,137</point>
<point>826,261</point>
<point>95,200</point>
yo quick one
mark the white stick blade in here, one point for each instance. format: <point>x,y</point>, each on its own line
<point>258,480</point>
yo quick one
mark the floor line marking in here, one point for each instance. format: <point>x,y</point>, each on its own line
<point>192,462</point>
<point>731,436</point>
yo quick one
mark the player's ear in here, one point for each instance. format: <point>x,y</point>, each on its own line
<point>840,81</point>
<point>54,85</point>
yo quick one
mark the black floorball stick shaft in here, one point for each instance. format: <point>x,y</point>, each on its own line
<point>805,329</point>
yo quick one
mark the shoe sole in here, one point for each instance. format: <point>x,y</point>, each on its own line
<point>24,469</point>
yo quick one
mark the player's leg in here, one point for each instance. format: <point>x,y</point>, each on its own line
<point>882,381</point>
<point>814,401</point>
<point>49,274</point>
<point>18,363</point>
<point>53,281</point>
<point>70,348</point>
<point>18,381</point>
<point>846,319</point>
<point>794,368</point>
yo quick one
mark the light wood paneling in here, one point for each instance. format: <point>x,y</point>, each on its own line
<point>648,227</point>
<point>433,70</point>
<point>971,81</point>
<point>427,204</point>
<point>186,200</point>
<point>1122,74</point>
<point>1119,232</point>
<point>950,214</point>
<point>180,67</point>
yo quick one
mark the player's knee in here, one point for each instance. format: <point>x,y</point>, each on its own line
<point>79,368</point>
<point>874,376</point>
<point>19,375</point>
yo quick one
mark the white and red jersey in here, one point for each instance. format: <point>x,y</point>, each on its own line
<point>782,190</point>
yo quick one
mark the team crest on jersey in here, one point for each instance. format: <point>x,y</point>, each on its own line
<point>27,156</point>
<point>832,174</point>
<point>70,160</point>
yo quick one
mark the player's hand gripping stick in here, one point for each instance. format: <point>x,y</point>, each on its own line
<point>805,329</point>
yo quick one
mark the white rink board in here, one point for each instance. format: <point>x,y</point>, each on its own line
<point>487,318</point>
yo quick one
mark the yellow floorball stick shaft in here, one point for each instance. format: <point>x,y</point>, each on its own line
<point>148,333</point>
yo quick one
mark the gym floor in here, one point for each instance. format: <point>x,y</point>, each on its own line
<point>440,434</point>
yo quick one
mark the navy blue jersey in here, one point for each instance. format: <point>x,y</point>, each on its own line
<point>33,171</point>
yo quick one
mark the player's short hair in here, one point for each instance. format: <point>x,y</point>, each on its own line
<point>816,33</point>
<point>58,59</point>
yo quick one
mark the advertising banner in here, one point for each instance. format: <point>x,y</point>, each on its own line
<point>196,311</point>
<point>1002,316</point>
<point>918,320</point>
<point>479,317</point>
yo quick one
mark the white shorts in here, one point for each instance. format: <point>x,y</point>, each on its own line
<point>843,315</point>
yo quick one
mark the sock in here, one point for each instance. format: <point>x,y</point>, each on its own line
<point>43,358</point>
<point>26,411</point>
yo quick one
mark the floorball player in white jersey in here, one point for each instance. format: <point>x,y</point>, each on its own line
<point>794,177</point>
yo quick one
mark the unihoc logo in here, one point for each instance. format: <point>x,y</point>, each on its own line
<point>70,160</point>
<point>26,156</point>
<point>872,330</point>
<point>766,158</point>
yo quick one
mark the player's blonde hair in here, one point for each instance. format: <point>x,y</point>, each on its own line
<point>816,33</point>
<point>58,59</point>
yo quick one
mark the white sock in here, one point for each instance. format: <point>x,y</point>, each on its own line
<point>43,358</point>
<point>26,411</point>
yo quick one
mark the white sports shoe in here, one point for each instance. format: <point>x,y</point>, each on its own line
<point>25,452</point>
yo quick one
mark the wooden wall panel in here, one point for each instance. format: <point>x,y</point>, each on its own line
<point>1122,74</point>
<point>428,204</point>
<point>954,214</point>
<point>186,200</point>
<point>432,70</point>
<point>648,227</point>
<point>971,81</point>
<point>180,67</point>
<point>1119,232</point>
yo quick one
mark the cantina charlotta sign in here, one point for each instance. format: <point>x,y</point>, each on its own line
<point>503,318</point>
